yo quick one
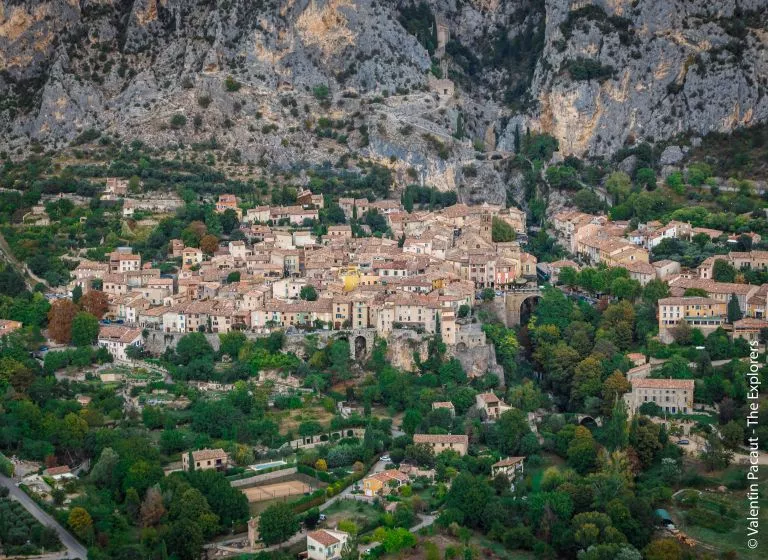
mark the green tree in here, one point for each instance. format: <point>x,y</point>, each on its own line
<point>185,539</point>
<point>192,505</point>
<point>586,380</point>
<point>231,84</point>
<point>715,456</point>
<point>132,504</point>
<point>193,346</point>
<point>411,421</point>
<point>81,523</point>
<point>469,495</point>
<point>655,290</point>
<point>277,524</point>
<point>582,451</point>
<point>231,343</point>
<point>616,434</point>
<point>85,329</point>
<point>178,121</point>
<point>308,293</point>
<point>646,177</point>
<point>321,92</point>
<point>103,472</point>
<point>644,438</point>
<point>734,310</point>
<point>153,417</point>
<point>338,359</point>
<point>723,271</point>
<point>588,201</point>
<point>77,293</point>
<point>625,288</point>
<point>733,435</point>
<point>568,276</point>
<point>452,372</point>
<point>511,427</point>
<point>142,474</point>
<point>398,539</point>
<point>619,185</point>
<point>501,231</point>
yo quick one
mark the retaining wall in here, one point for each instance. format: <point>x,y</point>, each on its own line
<point>263,477</point>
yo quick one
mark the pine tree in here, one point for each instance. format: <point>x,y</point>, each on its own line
<point>734,311</point>
<point>517,138</point>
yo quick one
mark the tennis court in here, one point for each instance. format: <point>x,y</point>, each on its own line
<point>277,490</point>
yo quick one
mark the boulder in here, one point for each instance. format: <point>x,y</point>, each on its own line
<point>671,155</point>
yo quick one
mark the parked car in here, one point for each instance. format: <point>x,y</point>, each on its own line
<point>683,442</point>
<point>385,458</point>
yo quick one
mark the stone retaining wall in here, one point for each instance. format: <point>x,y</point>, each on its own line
<point>263,477</point>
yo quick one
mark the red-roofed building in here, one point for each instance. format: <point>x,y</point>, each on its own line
<point>325,544</point>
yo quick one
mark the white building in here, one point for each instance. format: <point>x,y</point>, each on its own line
<point>325,544</point>
<point>116,339</point>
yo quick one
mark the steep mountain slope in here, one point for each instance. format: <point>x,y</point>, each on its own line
<point>595,75</point>
<point>658,68</point>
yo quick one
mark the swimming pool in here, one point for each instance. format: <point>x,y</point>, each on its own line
<point>262,466</point>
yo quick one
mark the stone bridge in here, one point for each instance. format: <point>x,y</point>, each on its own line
<point>584,419</point>
<point>516,306</point>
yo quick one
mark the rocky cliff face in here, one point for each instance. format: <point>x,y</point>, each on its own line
<point>658,68</point>
<point>595,75</point>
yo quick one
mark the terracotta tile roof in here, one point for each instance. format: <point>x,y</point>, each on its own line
<point>323,537</point>
<point>509,461</point>
<point>663,384</point>
<point>206,454</point>
<point>119,333</point>
<point>442,404</point>
<point>692,300</point>
<point>53,471</point>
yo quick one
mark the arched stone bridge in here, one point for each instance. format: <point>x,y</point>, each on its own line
<point>519,304</point>
<point>360,342</point>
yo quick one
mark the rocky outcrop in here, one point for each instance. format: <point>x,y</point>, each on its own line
<point>617,71</point>
<point>478,361</point>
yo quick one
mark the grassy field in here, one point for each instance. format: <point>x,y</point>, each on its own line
<point>290,420</point>
<point>731,505</point>
<point>362,513</point>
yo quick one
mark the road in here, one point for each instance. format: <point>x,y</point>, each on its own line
<point>74,548</point>
<point>7,254</point>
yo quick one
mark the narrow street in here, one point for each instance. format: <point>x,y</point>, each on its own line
<point>73,547</point>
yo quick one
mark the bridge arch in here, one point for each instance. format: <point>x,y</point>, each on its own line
<point>361,345</point>
<point>528,306</point>
<point>360,342</point>
<point>589,421</point>
<point>519,305</point>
